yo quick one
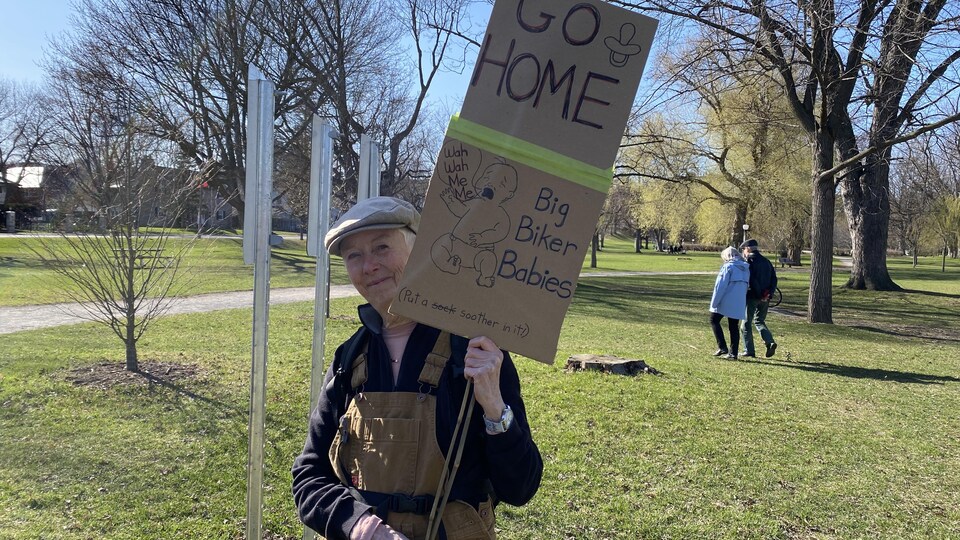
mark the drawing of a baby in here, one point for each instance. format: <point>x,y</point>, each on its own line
<point>483,223</point>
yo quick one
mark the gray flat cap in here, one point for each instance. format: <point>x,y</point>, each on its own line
<point>751,243</point>
<point>373,213</point>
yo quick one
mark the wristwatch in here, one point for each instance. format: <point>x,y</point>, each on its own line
<point>495,427</point>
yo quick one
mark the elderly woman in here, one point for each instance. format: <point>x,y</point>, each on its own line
<point>377,441</point>
<point>729,300</point>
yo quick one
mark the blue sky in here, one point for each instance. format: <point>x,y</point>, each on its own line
<point>24,32</point>
<point>26,27</point>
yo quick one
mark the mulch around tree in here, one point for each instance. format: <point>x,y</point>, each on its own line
<point>105,375</point>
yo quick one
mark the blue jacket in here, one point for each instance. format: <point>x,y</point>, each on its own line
<point>730,290</point>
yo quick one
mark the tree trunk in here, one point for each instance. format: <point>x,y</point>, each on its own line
<point>593,251</point>
<point>868,212</point>
<point>820,298</point>
<point>795,241</point>
<point>637,242</point>
<point>869,253</point>
<point>130,339</point>
<point>130,302</point>
<point>132,364</point>
<point>867,205</point>
<point>738,234</point>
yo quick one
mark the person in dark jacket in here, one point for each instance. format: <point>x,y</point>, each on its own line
<point>377,441</point>
<point>763,283</point>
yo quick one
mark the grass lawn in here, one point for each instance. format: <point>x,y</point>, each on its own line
<point>216,265</point>
<point>851,431</point>
<point>212,265</point>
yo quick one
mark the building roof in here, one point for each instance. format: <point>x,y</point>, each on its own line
<point>25,177</point>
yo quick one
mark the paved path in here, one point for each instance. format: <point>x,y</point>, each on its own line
<point>17,319</point>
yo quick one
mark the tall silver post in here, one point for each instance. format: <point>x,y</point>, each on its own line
<point>373,175</point>
<point>318,221</point>
<point>368,177</point>
<point>256,251</point>
<point>363,185</point>
<point>321,163</point>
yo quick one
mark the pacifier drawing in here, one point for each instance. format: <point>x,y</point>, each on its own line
<point>621,49</point>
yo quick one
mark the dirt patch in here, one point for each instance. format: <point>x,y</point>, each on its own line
<point>110,374</point>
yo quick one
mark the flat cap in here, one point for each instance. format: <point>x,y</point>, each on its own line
<point>373,213</point>
<point>751,243</point>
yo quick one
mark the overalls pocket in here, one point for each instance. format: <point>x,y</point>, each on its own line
<point>381,453</point>
<point>463,522</point>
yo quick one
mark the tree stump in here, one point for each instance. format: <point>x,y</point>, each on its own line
<point>608,364</point>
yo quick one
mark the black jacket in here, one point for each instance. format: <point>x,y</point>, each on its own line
<point>510,463</point>
<point>763,277</point>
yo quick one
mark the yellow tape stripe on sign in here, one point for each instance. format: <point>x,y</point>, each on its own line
<point>530,154</point>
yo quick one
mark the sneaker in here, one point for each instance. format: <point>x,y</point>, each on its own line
<point>720,352</point>
<point>771,348</point>
<point>731,356</point>
<point>748,355</point>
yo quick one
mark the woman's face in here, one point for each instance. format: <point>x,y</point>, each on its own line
<point>375,261</point>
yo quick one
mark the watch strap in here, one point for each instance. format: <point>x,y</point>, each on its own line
<point>500,425</point>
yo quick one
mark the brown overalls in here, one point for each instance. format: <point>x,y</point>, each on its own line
<point>387,443</point>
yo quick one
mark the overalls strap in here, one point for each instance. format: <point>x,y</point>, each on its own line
<point>436,361</point>
<point>433,365</point>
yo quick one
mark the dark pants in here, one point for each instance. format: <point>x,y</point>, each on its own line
<point>733,325</point>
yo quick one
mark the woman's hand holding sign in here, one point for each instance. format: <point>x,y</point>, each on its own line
<point>482,366</point>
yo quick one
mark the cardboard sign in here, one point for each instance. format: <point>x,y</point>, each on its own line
<point>560,74</point>
<point>523,173</point>
<point>502,251</point>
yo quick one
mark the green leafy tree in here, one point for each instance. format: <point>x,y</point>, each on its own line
<point>740,150</point>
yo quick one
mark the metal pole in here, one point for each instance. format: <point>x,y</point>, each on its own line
<point>321,163</point>
<point>373,170</point>
<point>363,174</point>
<point>320,190</point>
<point>256,243</point>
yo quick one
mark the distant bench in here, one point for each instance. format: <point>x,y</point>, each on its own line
<point>789,262</point>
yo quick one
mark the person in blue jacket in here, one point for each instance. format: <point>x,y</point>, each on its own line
<point>729,300</point>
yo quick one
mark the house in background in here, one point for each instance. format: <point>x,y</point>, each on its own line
<point>42,196</point>
<point>21,191</point>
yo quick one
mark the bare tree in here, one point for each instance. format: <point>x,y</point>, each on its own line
<point>365,83</point>
<point>914,192</point>
<point>860,77</point>
<point>186,62</point>
<point>947,213</point>
<point>127,277</point>
<point>123,275</point>
<point>942,188</point>
<point>22,126</point>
